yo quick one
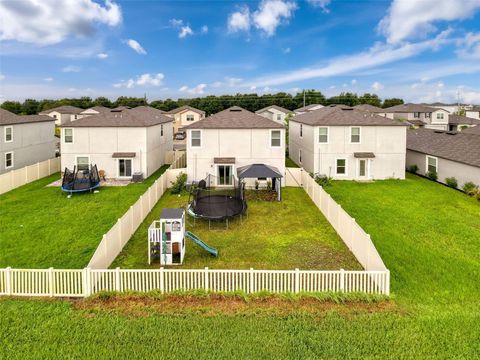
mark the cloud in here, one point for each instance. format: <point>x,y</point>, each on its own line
<point>2,77</point>
<point>70,68</point>
<point>469,46</point>
<point>322,4</point>
<point>239,20</point>
<point>354,82</point>
<point>50,22</point>
<point>48,79</point>
<point>135,45</point>
<point>197,90</point>
<point>146,80</point>
<point>377,86</point>
<point>176,23</point>
<point>102,55</point>
<point>407,19</point>
<point>204,29</point>
<point>272,13</point>
<point>185,31</point>
<point>286,50</point>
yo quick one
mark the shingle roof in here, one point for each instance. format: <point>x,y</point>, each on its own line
<point>475,130</point>
<point>409,108</point>
<point>99,109</point>
<point>369,108</point>
<point>9,118</point>
<point>460,147</point>
<point>235,117</point>
<point>65,109</point>
<point>307,108</point>
<point>342,115</point>
<point>186,107</point>
<point>457,119</point>
<point>141,116</point>
<point>279,108</point>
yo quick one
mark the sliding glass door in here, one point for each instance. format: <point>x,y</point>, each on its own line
<point>224,175</point>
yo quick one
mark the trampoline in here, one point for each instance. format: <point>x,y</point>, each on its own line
<point>80,180</point>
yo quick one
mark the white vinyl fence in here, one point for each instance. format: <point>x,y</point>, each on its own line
<point>85,282</point>
<point>27,174</point>
<point>180,160</point>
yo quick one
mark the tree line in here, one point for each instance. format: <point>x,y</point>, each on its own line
<point>210,104</point>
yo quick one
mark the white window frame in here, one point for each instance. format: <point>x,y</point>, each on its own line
<point>12,159</point>
<point>426,163</point>
<point>187,115</point>
<point>80,156</point>
<point>328,135</point>
<point>279,117</point>
<point>5,134</point>
<point>217,178</point>
<point>359,134</point>
<point>301,131</point>
<point>442,116</point>
<point>118,168</point>
<point>346,167</point>
<point>191,139</point>
<point>63,135</point>
<point>271,138</point>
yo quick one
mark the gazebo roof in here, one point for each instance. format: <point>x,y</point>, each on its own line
<point>258,171</point>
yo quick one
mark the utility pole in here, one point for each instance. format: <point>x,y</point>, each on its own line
<point>303,97</point>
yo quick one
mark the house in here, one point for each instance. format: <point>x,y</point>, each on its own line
<point>472,130</point>
<point>458,123</point>
<point>348,144</point>
<point>63,114</point>
<point>473,112</point>
<point>233,138</point>
<point>25,140</point>
<point>275,113</point>
<point>184,115</point>
<point>94,111</point>
<point>420,115</point>
<point>371,109</point>
<point>120,142</point>
<point>449,154</point>
<point>307,108</point>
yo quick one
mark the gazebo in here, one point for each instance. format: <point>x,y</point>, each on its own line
<point>256,171</point>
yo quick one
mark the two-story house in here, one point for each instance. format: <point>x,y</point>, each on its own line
<point>420,115</point>
<point>63,114</point>
<point>184,116</point>
<point>308,108</point>
<point>473,112</point>
<point>121,142</point>
<point>25,140</point>
<point>275,113</point>
<point>348,144</point>
<point>221,143</point>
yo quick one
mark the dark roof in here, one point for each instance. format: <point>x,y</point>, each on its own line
<point>9,118</point>
<point>224,160</point>
<point>472,130</point>
<point>417,122</point>
<point>186,107</point>
<point>279,108</point>
<point>171,213</point>
<point>460,147</point>
<point>258,171</point>
<point>235,118</point>
<point>65,109</point>
<point>364,155</point>
<point>123,155</point>
<point>306,108</point>
<point>410,108</point>
<point>369,108</point>
<point>141,116</point>
<point>342,115</point>
<point>458,119</point>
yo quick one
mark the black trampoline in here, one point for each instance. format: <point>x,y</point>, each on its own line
<point>80,180</point>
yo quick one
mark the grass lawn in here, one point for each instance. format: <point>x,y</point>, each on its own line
<point>290,163</point>
<point>41,227</point>
<point>276,235</point>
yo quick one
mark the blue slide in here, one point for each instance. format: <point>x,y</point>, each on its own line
<point>200,243</point>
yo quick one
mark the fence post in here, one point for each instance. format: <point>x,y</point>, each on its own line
<point>87,290</point>
<point>49,167</point>
<point>205,279</point>
<point>297,281</point>
<point>50,281</point>
<point>252,281</point>
<point>162,280</point>
<point>342,280</point>
<point>387,282</point>
<point>118,284</point>
<point>38,170</point>
<point>156,189</point>
<point>8,280</point>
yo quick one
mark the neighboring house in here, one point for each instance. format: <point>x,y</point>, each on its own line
<point>473,112</point>
<point>120,142</point>
<point>25,140</point>
<point>232,138</point>
<point>451,108</point>
<point>420,115</point>
<point>63,114</point>
<point>275,113</point>
<point>308,108</point>
<point>472,130</point>
<point>348,144</point>
<point>449,154</point>
<point>95,110</point>
<point>458,123</point>
<point>185,115</point>
<point>371,109</point>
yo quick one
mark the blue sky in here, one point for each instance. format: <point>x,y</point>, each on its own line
<point>425,50</point>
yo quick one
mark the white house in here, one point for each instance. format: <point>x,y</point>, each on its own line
<point>275,113</point>
<point>184,116</point>
<point>230,139</point>
<point>63,114</point>
<point>348,144</point>
<point>308,108</point>
<point>94,110</point>
<point>473,112</point>
<point>420,115</point>
<point>120,142</point>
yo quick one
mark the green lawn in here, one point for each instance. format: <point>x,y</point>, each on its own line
<point>275,235</point>
<point>290,163</point>
<point>41,227</point>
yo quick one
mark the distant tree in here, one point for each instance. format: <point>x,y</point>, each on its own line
<point>12,106</point>
<point>392,102</point>
<point>102,101</point>
<point>30,107</point>
<point>371,99</point>
<point>348,98</point>
<point>130,101</point>
<point>311,97</point>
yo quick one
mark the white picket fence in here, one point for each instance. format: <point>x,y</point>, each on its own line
<point>27,174</point>
<point>85,282</point>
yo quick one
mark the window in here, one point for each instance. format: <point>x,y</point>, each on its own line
<point>75,116</point>
<point>276,138</point>
<point>301,130</point>
<point>432,164</point>
<point>279,117</point>
<point>416,115</point>
<point>8,160</point>
<point>68,136</point>
<point>124,167</point>
<point>161,130</point>
<point>323,135</point>
<point>300,156</point>
<point>355,135</point>
<point>439,116</point>
<point>190,117</point>
<point>196,138</point>
<point>428,115</point>
<point>8,134</point>
<point>224,174</point>
<point>83,162</point>
<point>54,116</point>
<point>341,167</point>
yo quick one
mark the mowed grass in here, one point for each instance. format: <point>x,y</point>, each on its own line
<point>290,163</point>
<point>41,227</point>
<point>288,234</point>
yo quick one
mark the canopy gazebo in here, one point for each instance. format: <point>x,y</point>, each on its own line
<point>259,171</point>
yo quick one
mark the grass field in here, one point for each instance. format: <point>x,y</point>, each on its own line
<point>427,234</point>
<point>41,227</point>
<point>290,163</point>
<point>275,235</point>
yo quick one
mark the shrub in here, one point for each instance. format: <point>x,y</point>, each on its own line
<point>432,175</point>
<point>412,169</point>
<point>452,182</point>
<point>469,188</point>
<point>179,184</point>
<point>476,194</point>
<point>323,180</point>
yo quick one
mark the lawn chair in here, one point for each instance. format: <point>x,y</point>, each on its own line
<point>101,173</point>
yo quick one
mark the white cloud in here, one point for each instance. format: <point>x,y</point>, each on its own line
<point>354,82</point>
<point>286,50</point>
<point>322,4</point>
<point>239,20</point>
<point>176,23</point>
<point>272,13</point>
<point>440,84</point>
<point>204,29</point>
<point>2,77</point>
<point>469,46</point>
<point>70,68</point>
<point>49,22</point>
<point>135,45</point>
<point>407,19</point>
<point>48,79</point>
<point>147,80</point>
<point>377,86</point>
<point>185,31</point>
<point>102,55</point>
<point>197,90</point>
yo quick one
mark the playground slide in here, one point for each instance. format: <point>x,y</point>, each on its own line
<point>200,243</point>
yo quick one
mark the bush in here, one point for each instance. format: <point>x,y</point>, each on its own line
<point>469,188</point>
<point>476,194</point>
<point>179,184</point>
<point>432,175</point>
<point>412,169</point>
<point>452,182</point>
<point>323,180</point>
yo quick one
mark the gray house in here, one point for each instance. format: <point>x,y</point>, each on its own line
<point>25,140</point>
<point>449,154</point>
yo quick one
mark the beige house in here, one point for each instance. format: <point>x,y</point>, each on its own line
<point>473,112</point>
<point>308,108</point>
<point>459,123</point>
<point>371,109</point>
<point>120,142</point>
<point>184,116</point>
<point>420,115</point>
<point>63,114</point>
<point>230,139</point>
<point>348,144</point>
<point>95,110</point>
<point>274,113</point>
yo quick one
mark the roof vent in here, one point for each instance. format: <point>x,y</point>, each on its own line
<point>439,131</point>
<point>235,110</point>
<point>116,110</point>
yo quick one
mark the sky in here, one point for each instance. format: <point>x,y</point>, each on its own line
<point>421,51</point>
